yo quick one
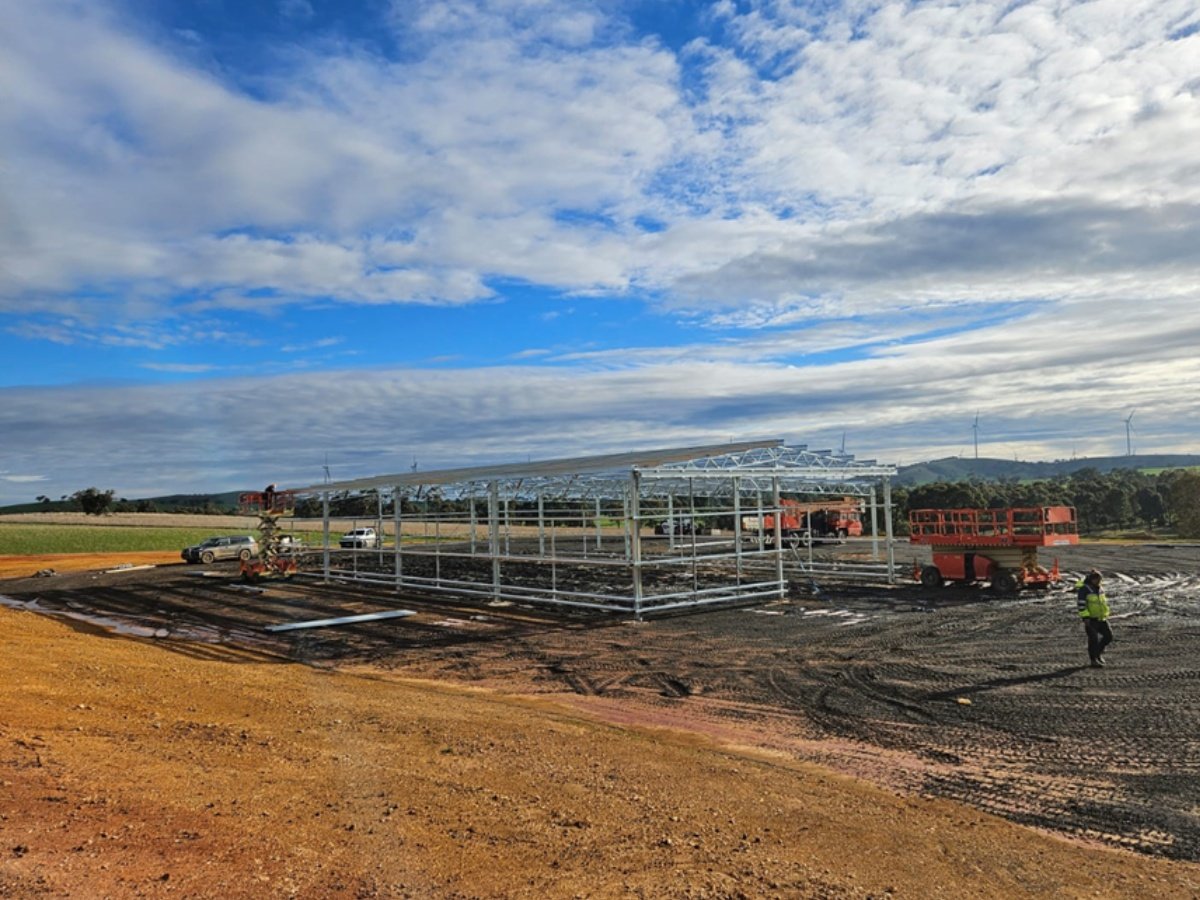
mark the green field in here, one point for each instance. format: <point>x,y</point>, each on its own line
<point>33,539</point>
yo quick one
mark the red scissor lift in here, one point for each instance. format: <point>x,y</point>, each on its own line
<point>995,545</point>
<point>273,561</point>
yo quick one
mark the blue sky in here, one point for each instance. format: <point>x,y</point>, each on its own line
<point>237,239</point>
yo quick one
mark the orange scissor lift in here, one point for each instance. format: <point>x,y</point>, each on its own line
<point>995,545</point>
<point>272,560</point>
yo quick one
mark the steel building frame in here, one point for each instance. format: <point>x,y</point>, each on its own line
<point>577,533</point>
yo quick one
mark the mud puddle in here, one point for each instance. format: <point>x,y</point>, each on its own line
<point>78,613</point>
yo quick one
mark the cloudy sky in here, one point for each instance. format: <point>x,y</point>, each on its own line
<point>241,239</point>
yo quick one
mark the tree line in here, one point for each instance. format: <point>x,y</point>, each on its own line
<point>95,502</point>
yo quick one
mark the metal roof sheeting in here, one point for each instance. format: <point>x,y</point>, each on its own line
<point>706,468</point>
<point>580,465</point>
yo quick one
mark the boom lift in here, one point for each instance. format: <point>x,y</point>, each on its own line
<point>273,560</point>
<point>996,545</point>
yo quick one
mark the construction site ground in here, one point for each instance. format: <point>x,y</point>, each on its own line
<point>847,741</point>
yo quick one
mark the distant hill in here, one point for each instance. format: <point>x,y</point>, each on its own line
<point>218,503</point>
<point>956,468</point>
<point>950,469</point>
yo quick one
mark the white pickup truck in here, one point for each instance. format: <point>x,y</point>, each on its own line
<point>360,539</point>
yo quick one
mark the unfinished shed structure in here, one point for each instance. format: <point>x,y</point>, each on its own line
<point>639,532</point>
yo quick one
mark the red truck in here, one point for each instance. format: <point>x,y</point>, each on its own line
<point>826,518</point>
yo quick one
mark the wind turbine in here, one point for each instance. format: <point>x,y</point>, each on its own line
<point>975,428</point>
<point>326,468</point>
<point>1129,433</point>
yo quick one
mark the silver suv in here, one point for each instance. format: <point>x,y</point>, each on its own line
<point>239,546</point>
<point>360,538</point>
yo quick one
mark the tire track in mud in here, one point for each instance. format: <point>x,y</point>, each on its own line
<point>1117,744</point>
<point>1041,739</point>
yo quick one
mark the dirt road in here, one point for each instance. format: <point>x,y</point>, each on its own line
<point>942,699</point>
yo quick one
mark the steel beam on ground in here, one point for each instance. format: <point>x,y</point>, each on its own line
<point>342,620</point>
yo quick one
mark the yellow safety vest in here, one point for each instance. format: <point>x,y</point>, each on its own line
<point>1091,605</point>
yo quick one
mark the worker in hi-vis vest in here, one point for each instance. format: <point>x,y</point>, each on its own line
<point>1093,609</point>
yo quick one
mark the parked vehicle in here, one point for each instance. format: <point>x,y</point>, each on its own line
<point>360,539</point>
<point>238,546</point>
<point>680,525</point>
<point>833,518</point>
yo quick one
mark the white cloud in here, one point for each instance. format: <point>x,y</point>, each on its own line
<point>135,167</point>
<point>1049,382</point>
<point>179,368</point>
<point>88,327</point>
<point>523,145</point>
<point>321,344</point>
<point>296,9</point>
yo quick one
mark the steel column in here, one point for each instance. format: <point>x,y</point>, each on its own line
<point>874,524</point>
<point>598,524</point>
<point>887,516</point>
<point>762,535</point>
<point>737,524</point>
<point>325,531</point>
<point>634,530</point>
<point>671,520</point>
<point>777,505</point>
<point>494,534</point>
<point>398,525</point>
<point>541,524</point>
<point>626,506</point>
<point>379,523</point>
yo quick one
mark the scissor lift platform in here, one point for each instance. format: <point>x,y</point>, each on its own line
<point>274,560</point>
<point>999,546</point>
